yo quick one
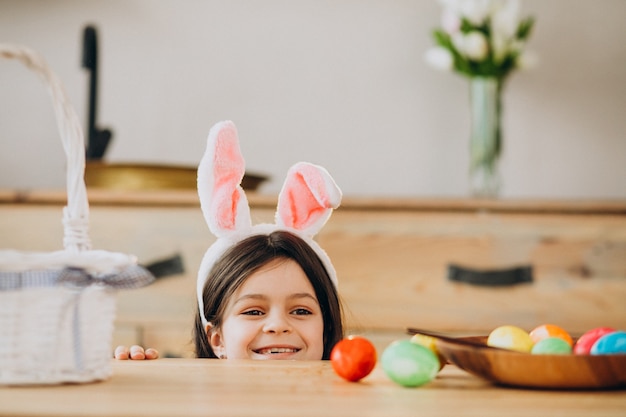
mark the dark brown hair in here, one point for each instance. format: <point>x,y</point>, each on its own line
<point>246,257</point>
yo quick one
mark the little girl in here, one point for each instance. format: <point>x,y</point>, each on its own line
<point>266,291</point>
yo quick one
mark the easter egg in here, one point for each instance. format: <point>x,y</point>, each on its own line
<point>510,337</point>
<point>353,358</point>
<point>409,364</point>
<point>551,346</point>
<point>429,342</point>
<point>585,342</point>
<point>550,330</point>
<point>610,344</point>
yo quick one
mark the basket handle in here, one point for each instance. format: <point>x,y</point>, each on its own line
<point>76,212</point>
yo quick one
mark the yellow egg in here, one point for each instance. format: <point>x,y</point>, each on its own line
<point>424,340</point>
<point>510,337</point>
<point>429,342</point>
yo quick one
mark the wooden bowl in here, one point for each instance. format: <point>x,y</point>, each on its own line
<point>534,371</point>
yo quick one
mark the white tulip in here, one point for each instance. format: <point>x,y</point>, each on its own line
<point>476,11</point>
<point>450,4</point>
<point>450,21</point>
<point>439,58</point>
<point>500,45</point>
<point>458,41</point>
<point>475,46</point>
<point>527,60</point>
<point>505,19</point>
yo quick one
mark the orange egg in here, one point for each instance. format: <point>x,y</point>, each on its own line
<point>550,330</point>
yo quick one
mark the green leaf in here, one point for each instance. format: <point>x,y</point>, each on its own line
<point>524,28</point>
<point>442,39</point>
<point>467,26</point>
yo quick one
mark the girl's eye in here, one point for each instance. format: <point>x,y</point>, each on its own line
<point>301,312</point>
<point>253,313</point>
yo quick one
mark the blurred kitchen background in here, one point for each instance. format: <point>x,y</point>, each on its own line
<point>341,83</point>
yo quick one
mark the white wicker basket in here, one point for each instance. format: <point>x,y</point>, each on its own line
<point>57,308</point>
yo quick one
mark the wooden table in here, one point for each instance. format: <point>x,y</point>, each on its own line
<point>194,387</point>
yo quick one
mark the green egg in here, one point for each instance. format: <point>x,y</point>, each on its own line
<point>551,346</point>
<point>409,364</point>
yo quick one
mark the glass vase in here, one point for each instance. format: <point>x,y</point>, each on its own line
<point>486,136</point>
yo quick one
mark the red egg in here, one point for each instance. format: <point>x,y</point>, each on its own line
<point>353,358</point>
<point>585,342</point>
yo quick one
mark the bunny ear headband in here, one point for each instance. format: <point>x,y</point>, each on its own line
<point>305,202</point>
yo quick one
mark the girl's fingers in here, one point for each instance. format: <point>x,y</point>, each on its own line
<point>121,353</point>
<point>137,353</point>
<point>152,353</point>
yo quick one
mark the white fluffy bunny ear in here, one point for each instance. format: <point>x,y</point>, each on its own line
<point>307,199</point>
<point>222,200</point>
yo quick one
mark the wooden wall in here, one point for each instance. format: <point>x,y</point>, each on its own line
<point>391,257</point>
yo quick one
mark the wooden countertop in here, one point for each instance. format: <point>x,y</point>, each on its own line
<point>182,198</point>
<point>195,387</point>
<point>392,256</point>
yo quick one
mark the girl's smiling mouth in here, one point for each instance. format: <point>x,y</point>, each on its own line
<point>276,350</point>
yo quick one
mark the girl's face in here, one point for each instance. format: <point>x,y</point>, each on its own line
<point>273,315</point>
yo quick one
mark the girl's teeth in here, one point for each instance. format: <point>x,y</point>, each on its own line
<point>277,350</point>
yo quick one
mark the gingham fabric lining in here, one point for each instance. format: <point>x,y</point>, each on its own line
<point>133,276</point>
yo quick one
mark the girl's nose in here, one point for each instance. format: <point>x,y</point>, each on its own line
<point>277,323</point>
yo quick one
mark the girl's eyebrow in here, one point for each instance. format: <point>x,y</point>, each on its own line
<point>293,296</point>
<point>302,295</point>
<point>251,297</point>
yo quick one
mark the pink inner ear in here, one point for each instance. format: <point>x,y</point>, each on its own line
<point>226,209</point>
<point>300,207</point>
<point>228,172</point>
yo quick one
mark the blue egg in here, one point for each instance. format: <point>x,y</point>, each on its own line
<point>610,344</point>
